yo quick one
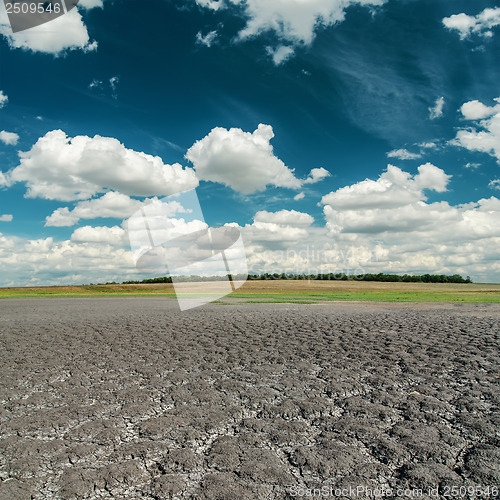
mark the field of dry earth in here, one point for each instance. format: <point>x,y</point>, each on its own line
<point>129,398</point>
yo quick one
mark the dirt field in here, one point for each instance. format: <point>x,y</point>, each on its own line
<point>128,398</point>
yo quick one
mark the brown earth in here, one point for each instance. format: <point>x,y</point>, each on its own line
<point>129,398</point>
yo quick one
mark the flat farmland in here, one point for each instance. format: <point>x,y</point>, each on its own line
<point>368,291</point>
<point>290,291</point>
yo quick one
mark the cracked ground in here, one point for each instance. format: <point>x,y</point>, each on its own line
<point>129,398</point>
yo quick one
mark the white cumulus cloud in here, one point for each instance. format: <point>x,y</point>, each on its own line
<point>295,22</point>
<point>110,205</point>
<point>90,4</point>
<point>413,237</point>
<point>3,99</point>
<point>393,189</point>
<point>403,154</point>
<point>317,175</point>
<point>59,167</point>
<point>280,54</point>
<point>285,217</point>
<point>427,145</point>
<point>475,110</point>
<point>208,39</point>
<point>102,234</point>
<point>67,32</point>
<point>44,261</point>
<point>494,184</point>
<point>211,4</point>
<point>244,161</point>
<point>4,180</point>
<point>365,232</point>
<point>277,229</point>
<point>436,111</point>
<point>9,138</point>
<point>467,25</point>
<point>485,135</point>
<point>6,218</point>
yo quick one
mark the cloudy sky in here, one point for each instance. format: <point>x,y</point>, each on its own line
<point>338,135</point>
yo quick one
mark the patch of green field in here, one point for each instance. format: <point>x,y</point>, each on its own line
<point>288,291</point>
<point>280,301</point>
<point>369,291</point>
<point>88,291</point>
<point>386,296</point>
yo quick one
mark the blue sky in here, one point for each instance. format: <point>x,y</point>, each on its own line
<point>353,136</point>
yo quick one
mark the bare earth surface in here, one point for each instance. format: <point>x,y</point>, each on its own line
<point>130,398</point>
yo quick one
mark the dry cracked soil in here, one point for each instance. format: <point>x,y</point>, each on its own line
<point>129,398</point>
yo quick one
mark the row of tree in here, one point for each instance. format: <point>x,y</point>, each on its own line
<point>406,278</point>
<point>424,278</point>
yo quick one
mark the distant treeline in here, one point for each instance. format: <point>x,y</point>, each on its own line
<point>193,278</point>
<point>406,278</point>
<point>163,279</point>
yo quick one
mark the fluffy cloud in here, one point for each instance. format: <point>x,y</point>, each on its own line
<point>244,161</point>
<point>111,205</point>
<point>414,232</point>
<point>6,218</point>
<point>4,180</point>
<point>90,4</point>
<point>9,138</point>
<point>276,229</point>
<point>67,32</point>
<point>413,218</point>
<point>299,196</point>
<point>468,25</point>
<point>486,136</point>
<point>293,21</point>
<point>284,217</point>
<point>47,262</point>
<point>280,54</point>
<point>393,189</point>
<point>417,237</point>
<point>431,177</point>
<point>62,168</point>
<point>427,145</point>
<point>403,154</point>
<point>110,235</point>
<point>475,110</point>
<point>207,39</point>
<point>211,4</point>
<point>317,175</point>
<point>408,235</point>
<point>3,99</point>
<point>387,225</point>
<point>437,110</point>
<point>494,184</point>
